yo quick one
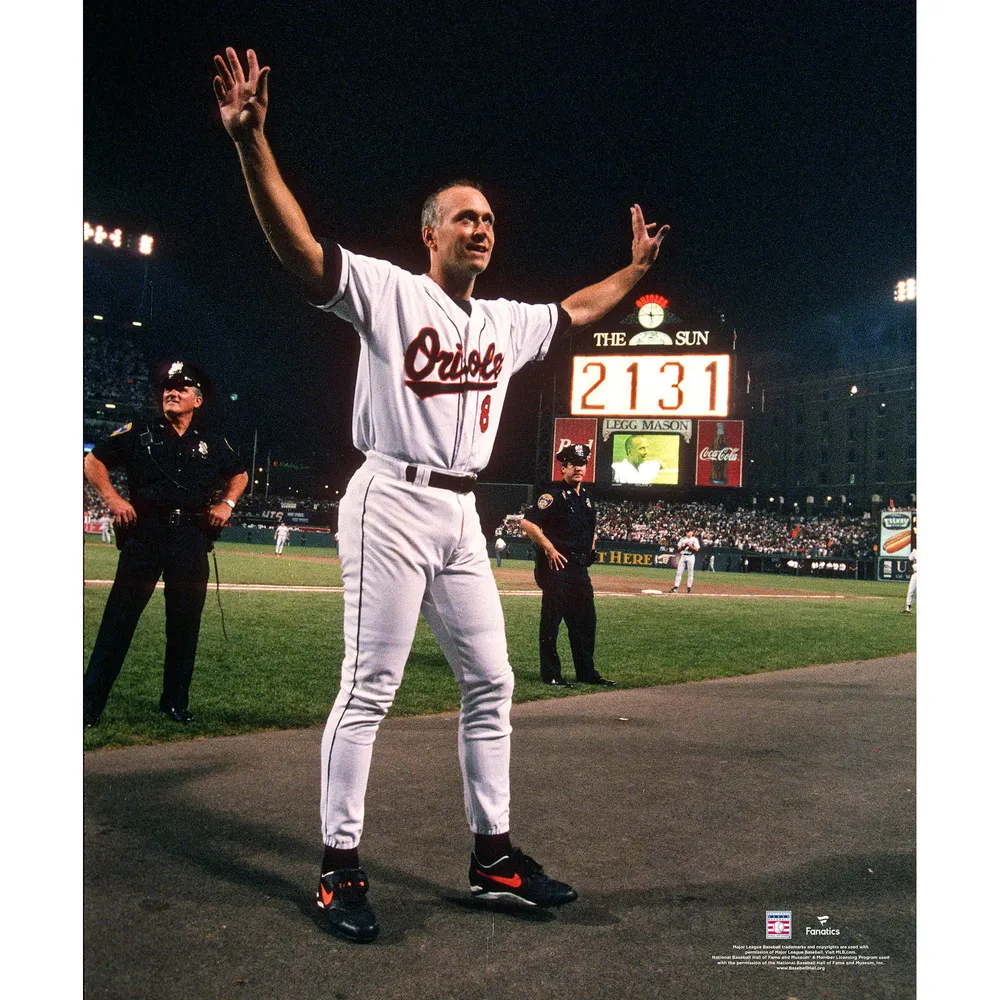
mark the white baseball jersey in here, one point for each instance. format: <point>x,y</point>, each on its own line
<point>282,532</point>
<point>625,472</point>
<point>691,544</point>
<point>431,379</point>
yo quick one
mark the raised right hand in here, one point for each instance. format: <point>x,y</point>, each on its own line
<point>242,97</point>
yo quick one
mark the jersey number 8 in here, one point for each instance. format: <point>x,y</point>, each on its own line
<point>484,414</point>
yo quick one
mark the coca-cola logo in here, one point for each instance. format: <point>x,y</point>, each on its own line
<point>455,371</point>
<point>727,454</point>
<point>895,522</point>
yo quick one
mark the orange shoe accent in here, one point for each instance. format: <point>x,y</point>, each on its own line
<point>325,895</point>
<point>514,883</point>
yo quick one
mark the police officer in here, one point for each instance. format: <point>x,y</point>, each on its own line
<point>562,524</point>
<point>183,483</point>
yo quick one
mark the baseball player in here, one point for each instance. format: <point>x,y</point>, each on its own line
<point>686,549</point>
<point>434,371</point>
<point>105,523</point>
<point>911,591</point>
<point>635,467</point>
<point>500,546</point>
<point>280,537</point>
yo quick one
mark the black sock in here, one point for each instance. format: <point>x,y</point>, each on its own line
<point>492,847</point>
<point>339,857</point>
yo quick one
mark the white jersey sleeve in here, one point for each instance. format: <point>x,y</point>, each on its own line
<point>531,329</point>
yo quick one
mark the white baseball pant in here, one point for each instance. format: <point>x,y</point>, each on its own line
<point>407,549</point>
<point>685,561</point>
<point>911,591</point>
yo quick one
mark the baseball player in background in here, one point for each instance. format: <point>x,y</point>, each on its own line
<point>501,546</point>
<point>434,371</point>
<point>687,547</point>
<point>105,523</point>
<point>911,590</point>
<point>281,534</point>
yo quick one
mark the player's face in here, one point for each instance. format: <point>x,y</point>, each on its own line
<point>574,473</point>
<point>180,400</point>
<point>464,239</point>
<point>637,453</point>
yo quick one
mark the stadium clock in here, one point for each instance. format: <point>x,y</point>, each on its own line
<point>651,315</point>
<point>648,385</point>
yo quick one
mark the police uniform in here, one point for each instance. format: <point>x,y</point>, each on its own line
<point>567,519</point>
<point>171,482</point>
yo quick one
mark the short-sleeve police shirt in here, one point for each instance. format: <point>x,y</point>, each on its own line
<point>167,471</point>
<point>566,517</point>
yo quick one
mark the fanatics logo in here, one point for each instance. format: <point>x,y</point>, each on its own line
<point>779,925</point>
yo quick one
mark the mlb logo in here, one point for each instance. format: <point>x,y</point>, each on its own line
<point>779,925</point>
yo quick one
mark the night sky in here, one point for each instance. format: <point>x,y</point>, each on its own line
<point>777,140</point>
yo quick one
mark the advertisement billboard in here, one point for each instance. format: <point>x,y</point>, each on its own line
<point>573,430</point>
<point>719,453</point>
<point>896,532</point>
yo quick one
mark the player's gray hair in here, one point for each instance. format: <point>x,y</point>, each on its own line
<point>430,214</point>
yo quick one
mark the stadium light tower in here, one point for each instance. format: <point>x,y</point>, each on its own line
<point>905,290</point>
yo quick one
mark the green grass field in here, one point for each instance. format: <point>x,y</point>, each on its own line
<point>280,666</point>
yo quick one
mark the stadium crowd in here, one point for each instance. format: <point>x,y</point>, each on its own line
<point>748,530</point>
<point>113,370</point>
<point>658,523</point>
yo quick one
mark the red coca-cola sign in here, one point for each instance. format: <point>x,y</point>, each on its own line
<point>719,453</point>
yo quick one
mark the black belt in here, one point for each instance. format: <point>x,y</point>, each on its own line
<point>174,517</point>
<point>442,481</point>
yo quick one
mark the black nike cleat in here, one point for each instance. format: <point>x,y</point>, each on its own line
<point>519,879</point>
<point>342,896</point>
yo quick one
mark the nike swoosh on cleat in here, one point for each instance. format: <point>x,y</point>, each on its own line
<point>325,895</point>
<point>514,883</point>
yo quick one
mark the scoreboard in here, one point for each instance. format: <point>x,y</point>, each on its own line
<point>650,385</point>
<point>653,400</point>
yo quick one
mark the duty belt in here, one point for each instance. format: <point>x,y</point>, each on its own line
<point>442,481</point>
<point>175,517</point>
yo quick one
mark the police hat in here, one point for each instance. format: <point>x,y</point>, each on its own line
<point>178,374</point>
<point>576,453</point>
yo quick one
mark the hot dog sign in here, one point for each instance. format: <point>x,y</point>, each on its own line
<point>896,533</point>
